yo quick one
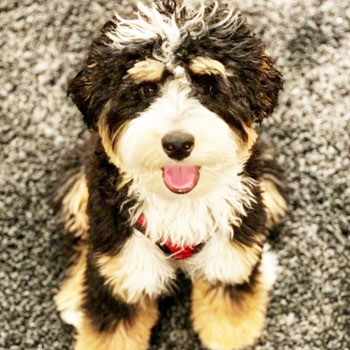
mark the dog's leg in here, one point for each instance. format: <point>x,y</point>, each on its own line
<point>74,197</point>
<point>70,296</point>
<point>74,205</point>
<point>97,302</point>
<point>272,184</point>
<point>110,298</point>
<point>129,328</point>
<point>118,307</point>
<point>274,202</point>
<point>230,316</point>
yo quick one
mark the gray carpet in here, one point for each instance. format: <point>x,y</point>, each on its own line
<point>43,42</point>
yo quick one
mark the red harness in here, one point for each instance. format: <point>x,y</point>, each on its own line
<point>176,252</point>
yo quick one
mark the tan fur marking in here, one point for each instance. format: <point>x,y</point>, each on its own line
<point>245,149</point>
<point>128,336</point>
<point>92,65</point>
<point>75,206</point>
<point>275,204</point>
<point>252,137</point>
<point>148,70</point>
<point>225,323</point>
<point>109,143</point>
<point>108,265</point>
<point>108,140</point>
<point>266,65</point>
<point>206,65</point>
<point>70,295</point>
<point>249,256</point>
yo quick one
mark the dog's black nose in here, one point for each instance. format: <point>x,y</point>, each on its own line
<point>178,145</point>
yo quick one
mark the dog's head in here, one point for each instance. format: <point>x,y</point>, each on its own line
<point>175,92</point>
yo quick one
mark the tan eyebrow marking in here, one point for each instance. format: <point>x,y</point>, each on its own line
<point>206,65</point>
<point>147,70</point>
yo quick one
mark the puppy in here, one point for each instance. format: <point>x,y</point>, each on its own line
<point>175,177</point>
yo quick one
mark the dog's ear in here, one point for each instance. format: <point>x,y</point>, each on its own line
<point>264,87</point>
<point>81,90</point>
<point>89,89</point>
<point>253,72</point>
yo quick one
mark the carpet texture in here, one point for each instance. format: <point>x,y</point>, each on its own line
<point>42,44</point>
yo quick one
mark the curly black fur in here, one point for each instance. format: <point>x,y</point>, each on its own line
<point>249,94</point>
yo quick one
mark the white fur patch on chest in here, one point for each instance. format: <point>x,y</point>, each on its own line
<point>186,220</point>
<point>140,269</point>
<point>222,260</point>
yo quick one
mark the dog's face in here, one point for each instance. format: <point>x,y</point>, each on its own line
<point>175,93</point>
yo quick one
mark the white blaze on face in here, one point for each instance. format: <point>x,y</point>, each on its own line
<point>140,146</point>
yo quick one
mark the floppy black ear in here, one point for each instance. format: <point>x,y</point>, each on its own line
<point>264,87</point>
<point>82,92</point>
<point>255,79</point>
<point>100,77</point>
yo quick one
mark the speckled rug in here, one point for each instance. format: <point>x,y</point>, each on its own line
<point>43,42</point>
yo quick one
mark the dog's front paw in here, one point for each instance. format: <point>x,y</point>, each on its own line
<point>125,335</point>
<point>227,320</point>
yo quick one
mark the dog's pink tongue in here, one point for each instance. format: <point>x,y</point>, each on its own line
<point>180,178</point>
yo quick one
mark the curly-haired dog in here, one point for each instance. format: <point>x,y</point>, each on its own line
<point>176,177</point>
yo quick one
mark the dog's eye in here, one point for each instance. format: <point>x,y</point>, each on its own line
<point>148,90</point>
<point>206,84</point>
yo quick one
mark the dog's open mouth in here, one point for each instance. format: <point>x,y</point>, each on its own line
<point>180,178</point>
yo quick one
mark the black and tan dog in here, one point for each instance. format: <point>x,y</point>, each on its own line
<point>175,177</point>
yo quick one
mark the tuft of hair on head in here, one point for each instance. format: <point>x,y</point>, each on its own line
<point>167,6</point>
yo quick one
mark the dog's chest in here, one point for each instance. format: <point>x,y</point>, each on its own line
<point>186,222</point>
<point>178,252</point>
<point>190,221</point>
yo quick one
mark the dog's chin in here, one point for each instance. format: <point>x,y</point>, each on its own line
<point>181,179</point>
